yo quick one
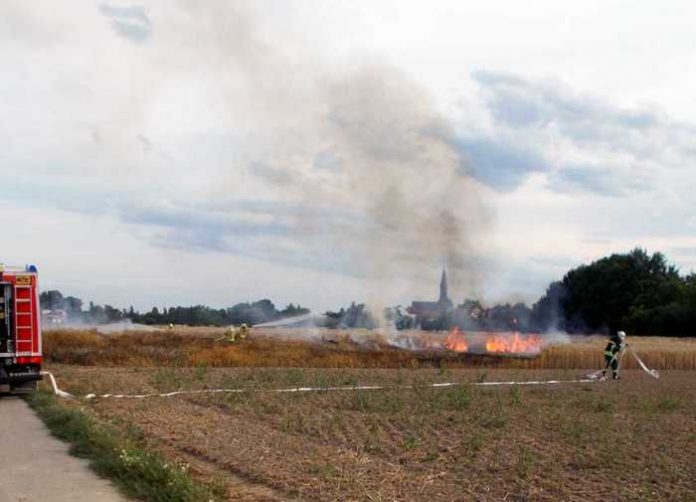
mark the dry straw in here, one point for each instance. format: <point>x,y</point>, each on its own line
<point>198,348</point>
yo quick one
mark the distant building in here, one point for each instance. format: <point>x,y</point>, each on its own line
<point>430,311</point>
<point>54,317</point>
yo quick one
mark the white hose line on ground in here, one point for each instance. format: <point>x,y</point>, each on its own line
<point>56,390</point>
<point>595,375</point>
<point>652,373</point>
<point>61,393</point>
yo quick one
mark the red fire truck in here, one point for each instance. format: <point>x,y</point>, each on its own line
<point>20,329</point>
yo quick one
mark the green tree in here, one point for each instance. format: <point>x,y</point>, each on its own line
<point>609,292</point>
<point>52,300</point>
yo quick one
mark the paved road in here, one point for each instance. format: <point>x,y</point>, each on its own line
<point>36,467</point>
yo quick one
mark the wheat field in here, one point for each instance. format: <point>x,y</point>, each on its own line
<point>200,347</point>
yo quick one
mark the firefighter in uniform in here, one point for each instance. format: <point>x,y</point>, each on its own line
<point>233,334</point>
<point>243,331</point>
<point>616,345</point>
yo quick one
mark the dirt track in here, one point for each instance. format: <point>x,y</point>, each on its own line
<point>36,467</point>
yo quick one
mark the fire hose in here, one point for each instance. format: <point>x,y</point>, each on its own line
<point>591,378</point>
<point>57,391</point>
<point>653,373</point>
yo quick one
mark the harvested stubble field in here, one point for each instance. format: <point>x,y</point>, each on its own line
<point>629,440</point>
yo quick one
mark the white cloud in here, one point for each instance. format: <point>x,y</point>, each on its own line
<point>293,146</point>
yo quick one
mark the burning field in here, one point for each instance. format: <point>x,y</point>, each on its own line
<point>326,348</point>
<point>404,441</point>
<point>517,344</point>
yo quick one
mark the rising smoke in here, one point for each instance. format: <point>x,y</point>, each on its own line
<point>365,148</point>
<point>356,147</point>
<point>403,175</point>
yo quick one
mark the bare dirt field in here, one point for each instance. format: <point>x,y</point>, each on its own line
<point>634,439</point>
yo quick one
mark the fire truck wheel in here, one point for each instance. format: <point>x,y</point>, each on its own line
<point>25,388</point>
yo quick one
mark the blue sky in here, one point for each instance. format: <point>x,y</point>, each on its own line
<point>323,152</point>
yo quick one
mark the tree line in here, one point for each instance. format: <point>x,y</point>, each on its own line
<point>636,292</point>
<point>257,312</point>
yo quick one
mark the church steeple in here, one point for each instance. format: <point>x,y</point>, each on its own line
<point>433,311</point>
<point>443,288</point>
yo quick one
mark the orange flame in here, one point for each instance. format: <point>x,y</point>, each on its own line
<point>515,344</point>
<point>456,341</point>
<point>493,343</point>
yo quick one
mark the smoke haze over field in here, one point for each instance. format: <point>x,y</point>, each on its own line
<point>361,150</point>
<point>323,154</point>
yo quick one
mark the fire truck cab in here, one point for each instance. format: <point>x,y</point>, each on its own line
<point>20,330</point>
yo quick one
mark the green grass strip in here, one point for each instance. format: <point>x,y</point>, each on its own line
<point>118,456</point>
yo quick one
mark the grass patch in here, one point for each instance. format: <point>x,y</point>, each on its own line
<point>376,402</point>
<point>326,471</point>
<point>603,406</point>
<point>472,444</point>
<point>166,379</point>
<point>663,404</point>
<point>410,443</point>
<point>668,403</point>
<point>459,397</point>
<point>120,457</point>
<point>494,422</point>
<point>576,431</point>
<point>515,395</point>
<point>525,461</point>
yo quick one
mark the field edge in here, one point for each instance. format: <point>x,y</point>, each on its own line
<point>119,455</point>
